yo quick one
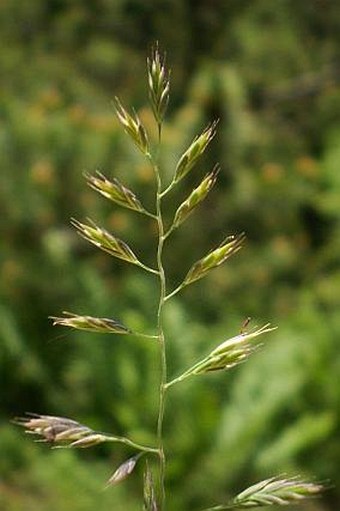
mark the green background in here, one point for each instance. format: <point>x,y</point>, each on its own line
<point>269,71</point>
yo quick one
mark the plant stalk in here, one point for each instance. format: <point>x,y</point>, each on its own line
<point>161,338</point>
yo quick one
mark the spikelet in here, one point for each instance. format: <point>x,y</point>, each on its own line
<point>90,324</point>
<point>159,85</point>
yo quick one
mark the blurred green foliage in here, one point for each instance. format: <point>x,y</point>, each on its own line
<point>269,71</point>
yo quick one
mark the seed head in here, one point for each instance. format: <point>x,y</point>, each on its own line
<point>133,127</point>
<point>114,191</point>
<point>123,471</point>
<point>60,430</point>
<point>194,151</point>
<point>159,85</point>
<point>91,324</point>
<point>195,198</point>
<point>105,241</point>
<point>228,247</point>
<point>277,491</point>
<point>53,429</point>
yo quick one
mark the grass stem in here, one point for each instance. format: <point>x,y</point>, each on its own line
<point>161,337</point>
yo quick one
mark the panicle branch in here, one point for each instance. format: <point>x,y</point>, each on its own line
<point>226,355</point>
<point>215,258</point>
<point>62,432</point>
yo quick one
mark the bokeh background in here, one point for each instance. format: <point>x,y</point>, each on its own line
<point>270,72</point>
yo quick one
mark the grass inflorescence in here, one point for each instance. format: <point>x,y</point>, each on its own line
<point>64,432</point>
